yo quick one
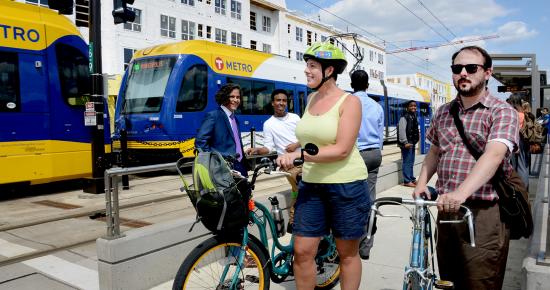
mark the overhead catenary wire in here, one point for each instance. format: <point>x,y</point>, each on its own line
<point>423,21</point>
<point>437,18</point>
<point>380,39</point>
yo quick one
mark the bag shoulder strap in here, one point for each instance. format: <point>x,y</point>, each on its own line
<point>460,128</point>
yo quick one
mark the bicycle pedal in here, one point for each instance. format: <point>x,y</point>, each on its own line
<point>444,284</point>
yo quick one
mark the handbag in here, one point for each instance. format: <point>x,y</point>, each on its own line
<point>512,193</point>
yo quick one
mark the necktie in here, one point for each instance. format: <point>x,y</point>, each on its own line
<point>236,137</point>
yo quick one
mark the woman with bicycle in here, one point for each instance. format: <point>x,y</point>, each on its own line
<point>333,195</point>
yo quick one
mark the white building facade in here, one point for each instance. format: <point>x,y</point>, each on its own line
<point>435,91</point>
<point>263,25</point>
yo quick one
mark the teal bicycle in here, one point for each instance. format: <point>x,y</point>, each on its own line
<point>242,261</point>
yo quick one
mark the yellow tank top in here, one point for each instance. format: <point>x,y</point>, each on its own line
<point>321,131</point>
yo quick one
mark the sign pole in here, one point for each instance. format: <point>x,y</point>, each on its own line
<point>96,183</point>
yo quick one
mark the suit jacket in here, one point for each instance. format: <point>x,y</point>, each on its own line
<point>215,134</point>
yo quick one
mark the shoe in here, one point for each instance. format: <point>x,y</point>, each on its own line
<point>409,184</point>
<point>415,182</point>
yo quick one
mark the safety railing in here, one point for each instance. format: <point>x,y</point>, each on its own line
<point>112,179</point>
<point>545,177</point>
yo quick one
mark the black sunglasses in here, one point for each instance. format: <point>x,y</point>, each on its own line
<point>470,68</point>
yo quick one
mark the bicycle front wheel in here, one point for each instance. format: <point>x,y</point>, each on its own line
<point>213,265</point>
<point>328,264</point>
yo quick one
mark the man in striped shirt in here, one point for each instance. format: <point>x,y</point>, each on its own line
<point>491,126</point>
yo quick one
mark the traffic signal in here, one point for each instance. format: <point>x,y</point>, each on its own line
<point>63,6</point>
<point>82,9</point>
<point>121,13</point>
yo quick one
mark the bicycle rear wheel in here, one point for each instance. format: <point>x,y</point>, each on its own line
<point>328,264</point>
<point>414,282</point>
<point>213,263</point>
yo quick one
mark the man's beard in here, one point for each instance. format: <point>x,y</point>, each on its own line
<point>472,91</point>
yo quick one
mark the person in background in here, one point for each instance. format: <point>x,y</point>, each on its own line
<point>408,135</point>
<point>521,157</point>
<point>492,125</point>
<point>333,194</point>
<point>219,130</point>
<point>280,136</point>
<point>369,141</point>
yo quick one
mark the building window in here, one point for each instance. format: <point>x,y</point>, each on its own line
<point>266,24</point>
<point>308,38</point>
<point>266,48</point>
<point>236,39</point>
<point>315,36</point>
<point>199,31</point>
<point>288,29</point>
<point>10,100</point>
<point>371,55</point>
<point>167,26</point>
<point>188,2</point>
<point>252,20</point>
<point>220,6</point>
<point>323,38</point>
<point>221,36</point>
<point>128,53</point>
<point>253,44</point>
<point>236,9</point>
<point>299,34</point>
<point>187,30</point>
<point>38,2</point>
<point>299,56</point>
<point>380,58</point>
<point>208,2</point>
<point>208,31</point>
<point>136,25</point>
<point>289,53</point>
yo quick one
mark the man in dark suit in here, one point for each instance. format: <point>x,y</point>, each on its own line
<point>219,130</point>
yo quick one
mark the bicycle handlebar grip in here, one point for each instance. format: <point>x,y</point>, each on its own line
<point>298,162</point>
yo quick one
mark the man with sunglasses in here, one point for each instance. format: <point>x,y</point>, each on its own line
<point>492,126</point>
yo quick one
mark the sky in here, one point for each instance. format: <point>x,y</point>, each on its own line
<point>522,27</point>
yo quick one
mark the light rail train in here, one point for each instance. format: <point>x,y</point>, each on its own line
<point>167,90</point>
<point>44,83</point>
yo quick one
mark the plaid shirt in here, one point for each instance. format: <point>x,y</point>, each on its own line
<point>487,120</point>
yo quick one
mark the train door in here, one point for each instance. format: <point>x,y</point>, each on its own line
<point>292,92</point>
<point>69,90</point>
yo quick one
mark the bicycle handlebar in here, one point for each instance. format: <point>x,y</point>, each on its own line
<point>468,216</point>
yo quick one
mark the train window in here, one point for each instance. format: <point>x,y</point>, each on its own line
<point>74,74</point>
<point>9,82</point>
<point>424,109</point>
<point>290,101</point>
<point>262,97</point>
<point>255,96</point>
<point>246,98</point>
<point>146,84</point>
<point>193,92</point>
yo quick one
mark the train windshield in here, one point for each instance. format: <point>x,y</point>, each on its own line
<point>146,84</point>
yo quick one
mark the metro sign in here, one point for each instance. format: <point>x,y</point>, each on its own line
<point>219,63</point>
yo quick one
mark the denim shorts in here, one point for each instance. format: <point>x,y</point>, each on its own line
<point>340,207</point>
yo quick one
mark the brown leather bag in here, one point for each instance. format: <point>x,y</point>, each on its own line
<point>512,194</point>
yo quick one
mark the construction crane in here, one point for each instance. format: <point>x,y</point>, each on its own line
<point>443,44</point>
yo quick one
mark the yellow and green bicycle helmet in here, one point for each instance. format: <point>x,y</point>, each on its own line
<point>327,54</point>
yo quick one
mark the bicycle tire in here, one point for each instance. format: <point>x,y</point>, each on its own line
<point>211,257</point>
<point>328,269</point>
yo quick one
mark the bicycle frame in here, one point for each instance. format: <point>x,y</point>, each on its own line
<point>422,233</point>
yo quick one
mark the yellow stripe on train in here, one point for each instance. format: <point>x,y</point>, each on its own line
<point>221,58</point>
<point>44,161</point>
<point>23,26</point>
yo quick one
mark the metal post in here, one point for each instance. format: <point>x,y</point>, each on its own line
<point>116,209</point>
<point>546,174</point>
<point>252,131</point>
<point>108,208</point>
<point>95,184</point>
<point>124,157</point>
